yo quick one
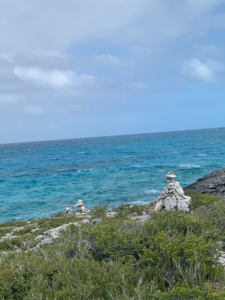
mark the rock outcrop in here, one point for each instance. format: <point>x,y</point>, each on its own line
<point>142,219</point>
<point>79,207</point>
<point>173,197</point>
<point>212,184</point>
<point>69,210</point>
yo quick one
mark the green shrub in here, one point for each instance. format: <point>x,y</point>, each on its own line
<point>99,211</point>
<point>198,199</point>
<point>173,255</point>
<point>13,224</point>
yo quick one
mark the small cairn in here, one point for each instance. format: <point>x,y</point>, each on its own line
<point>173,197</point>
<point>79,207</point>
<point>69,210</point>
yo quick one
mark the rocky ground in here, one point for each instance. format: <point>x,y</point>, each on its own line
<point>212,184</point>
<point>32,234</point>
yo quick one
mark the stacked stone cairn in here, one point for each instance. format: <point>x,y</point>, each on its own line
<point>173,197</point>
<point>79,207</point>
<point>69,210</point>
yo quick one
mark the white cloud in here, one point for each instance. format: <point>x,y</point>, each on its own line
<point>33,110</point>
<point>54,78</point>
<point>50,78</point>
<point>107,59</point>
<point>194,68</point>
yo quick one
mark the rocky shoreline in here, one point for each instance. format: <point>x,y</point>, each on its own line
<point>172,198</point>
<point>171,247</point>
<point>212,184</point>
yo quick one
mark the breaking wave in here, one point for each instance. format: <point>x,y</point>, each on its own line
<point>189,166</point>
<point>152,192</point>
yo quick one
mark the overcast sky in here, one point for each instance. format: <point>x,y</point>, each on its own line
<point>82,68</point>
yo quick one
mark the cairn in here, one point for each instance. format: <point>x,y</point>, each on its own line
<point>79,207</point>
<point>173,197</point>
<point>69,210</point>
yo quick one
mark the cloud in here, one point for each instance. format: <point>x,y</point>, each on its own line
<point>194,68</point>
<point>33,110</point>
<point>54,78</point>
<point>49,78</point>
<point>73,60</point>
<point>107,59</point>
<point>53,26</point>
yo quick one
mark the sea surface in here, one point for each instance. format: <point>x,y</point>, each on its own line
<point>39,179</point>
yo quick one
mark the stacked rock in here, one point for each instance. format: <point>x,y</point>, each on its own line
<point>79,207</point>
<point>69,210</point>
<point>173,197</point>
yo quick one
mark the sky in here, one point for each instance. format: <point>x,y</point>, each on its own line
<point>86,68</point>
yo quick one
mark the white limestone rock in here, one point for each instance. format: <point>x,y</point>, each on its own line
<point>142,219</point>
<point>173,197</point>
<point>54,232</point>
<point>111,214</point>
<point>79,207</point>
<point>69,210</point>
<point>97,221</point>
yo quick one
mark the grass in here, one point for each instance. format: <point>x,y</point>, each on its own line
<point>173,255</point>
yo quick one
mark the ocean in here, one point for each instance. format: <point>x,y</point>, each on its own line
<point>39,179</point>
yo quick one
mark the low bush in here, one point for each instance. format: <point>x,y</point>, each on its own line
<point>173,255</point>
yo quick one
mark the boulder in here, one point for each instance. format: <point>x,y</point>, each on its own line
<point>173,197</point>
<point>212,184</point>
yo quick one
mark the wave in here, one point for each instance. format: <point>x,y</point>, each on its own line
<point>139,202</point>
<point>189,166</point>
<point>202,154</point>
<point>152,192</point>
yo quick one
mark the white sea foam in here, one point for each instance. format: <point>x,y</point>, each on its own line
<point>139,202</point>
<point>152,192</point>
<point>187,166</point>
<point>202,154</point>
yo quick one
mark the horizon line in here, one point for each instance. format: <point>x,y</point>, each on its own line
<point>108,136</point>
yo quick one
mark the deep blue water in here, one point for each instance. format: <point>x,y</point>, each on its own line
<point>39,179</point>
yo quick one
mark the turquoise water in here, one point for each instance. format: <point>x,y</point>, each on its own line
<point>39,179</point>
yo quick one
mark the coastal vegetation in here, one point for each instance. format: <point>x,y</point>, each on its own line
<point>172,255</point>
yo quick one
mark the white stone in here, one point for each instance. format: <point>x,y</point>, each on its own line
<point>79,207</point>
<point>172,197</point>
<point>69,210</point>
<point>111,214</point>
<point>141,218</point>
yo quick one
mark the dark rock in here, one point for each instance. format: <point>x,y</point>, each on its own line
<point>212,184</point>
